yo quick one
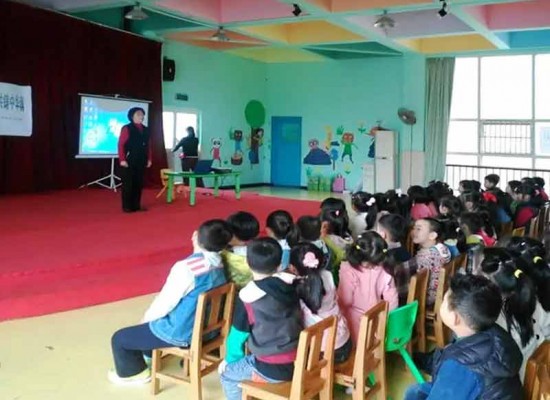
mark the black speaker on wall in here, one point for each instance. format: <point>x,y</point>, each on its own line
<point>168,69</point>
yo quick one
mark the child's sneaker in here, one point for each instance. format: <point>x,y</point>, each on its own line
<point>138,379</point>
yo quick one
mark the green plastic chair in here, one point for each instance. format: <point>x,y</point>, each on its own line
<point>399,332</point>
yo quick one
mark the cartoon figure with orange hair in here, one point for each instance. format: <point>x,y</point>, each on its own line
<point>347,142</point>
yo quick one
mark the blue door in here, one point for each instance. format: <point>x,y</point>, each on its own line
<point>286,151</point>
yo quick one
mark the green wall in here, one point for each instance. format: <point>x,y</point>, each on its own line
<point>219,86</point>
<point>348,94</point>
<point>325,94</point>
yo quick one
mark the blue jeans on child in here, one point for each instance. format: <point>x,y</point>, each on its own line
<point>129,345</point>
<point>237,372</point>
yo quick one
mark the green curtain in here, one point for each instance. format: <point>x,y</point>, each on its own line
<point>440,73</point>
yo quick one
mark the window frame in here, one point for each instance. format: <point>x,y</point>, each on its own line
<point>183,110</point>
<point>532,122</point>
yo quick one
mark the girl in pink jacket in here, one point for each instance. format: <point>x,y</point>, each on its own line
<point>318,297</point>
<point>365,279</point>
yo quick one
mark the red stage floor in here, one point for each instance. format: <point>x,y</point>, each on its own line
<point>71,249</point>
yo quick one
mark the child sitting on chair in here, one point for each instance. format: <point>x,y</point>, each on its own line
<point>393,229</point>
<point>267,315</point>
<point>308,229</point>
<point>169,320</point>
<point>484,361</point>
<point>245,227</point>
<point>318,297</point>
<point>432,254</point>
<point>365,279</point>
<point>279,225</point>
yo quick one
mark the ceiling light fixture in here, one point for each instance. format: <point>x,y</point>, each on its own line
<point>297,10</point>
<point>220,35</point>
<point>443,11</point>
<point>136,13</point>
<point>385,22</point>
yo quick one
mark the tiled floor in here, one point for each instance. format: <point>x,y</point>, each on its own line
<point>67,355</point>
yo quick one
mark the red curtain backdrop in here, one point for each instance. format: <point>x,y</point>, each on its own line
<point>59,57</point>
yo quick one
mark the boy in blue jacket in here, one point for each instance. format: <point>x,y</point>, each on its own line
<point>169,320</point>
<point>483,362</point>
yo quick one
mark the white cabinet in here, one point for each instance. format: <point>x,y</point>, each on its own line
<point>368,178</point>
<point>385,161</point>
<point>380,175</point>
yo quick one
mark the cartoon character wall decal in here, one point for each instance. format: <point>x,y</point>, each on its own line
<point>334,154</point>
<point>347,142</point>
<point>362,130</point>
<point>316,156</point>
<point>254,142</point>
<point>216,152</point>
<point>372,145</point>
<point>254,113</point>
<point>372,133</point>
<point>237,137</point>
<point>328,139</point>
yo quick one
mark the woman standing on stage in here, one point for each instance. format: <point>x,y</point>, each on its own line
<point>190,153</point>
<point>134,155</point>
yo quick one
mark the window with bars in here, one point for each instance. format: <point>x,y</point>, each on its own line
<point>497,121</point>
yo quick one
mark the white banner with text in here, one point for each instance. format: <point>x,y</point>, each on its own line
<point>15,110</point>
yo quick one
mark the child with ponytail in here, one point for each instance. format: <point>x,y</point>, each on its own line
<point>477,229</point>
<point>365,209</point>
<point>528,203</point>
<point>279,224</point>
<point>308,229</point>
<point>519,299</point>
<point>532,251</point>
<point>366,278</point>
<point>336,235</point>
<point>318,297</point>
<point>422,204</point>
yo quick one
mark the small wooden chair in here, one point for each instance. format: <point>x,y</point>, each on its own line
<point>178,187</point>
<point>520,232</point>
<point>534,227</point>
<point>409,244</point>
<point>418,288</point>
<point>533,384</point>
<point>441,333</point>
<point>458,263</point>
<point>213,317</point>
<point>506,228</point>
<point>370,356</point>
<point>313,372</point>
<point>544,214</point>
<point>541,387</point>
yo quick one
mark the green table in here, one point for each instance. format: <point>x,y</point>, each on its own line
<point>193,183</point>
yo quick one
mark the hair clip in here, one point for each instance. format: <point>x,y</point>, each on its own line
<point>371,201</point>
<point>537,258</point>
<point>337,212</point>
<point>517,273</point>
<point>310,260</point>
<point>385,251</point>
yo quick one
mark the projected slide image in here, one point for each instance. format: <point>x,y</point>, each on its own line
<point>101,120</point>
